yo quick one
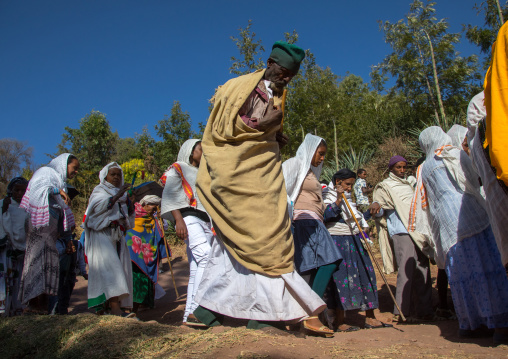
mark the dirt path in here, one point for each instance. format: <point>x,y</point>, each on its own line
<point>437,339</point>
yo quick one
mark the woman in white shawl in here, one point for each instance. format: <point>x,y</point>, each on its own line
<point>12,246</point>
<point>457,134</point>
<point>108,216</point>
<point>316,256</point>
<point>354,283</point>
<point>463,238</point>
<point>192,224</point>
<point>47,203</point>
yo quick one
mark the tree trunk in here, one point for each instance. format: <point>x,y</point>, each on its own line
<point>431,93</point>
<point>500,13</point>
<point>336,150</point>
<point>436,81</point>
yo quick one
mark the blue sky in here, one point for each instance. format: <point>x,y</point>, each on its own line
<point>61,59</point>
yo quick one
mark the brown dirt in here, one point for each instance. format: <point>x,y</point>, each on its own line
<point>436,339</point>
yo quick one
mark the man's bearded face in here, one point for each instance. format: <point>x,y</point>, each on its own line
<point>278,76</point>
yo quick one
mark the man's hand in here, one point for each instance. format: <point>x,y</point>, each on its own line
<point>65,197</point>
<point>374,208</point>
<point>70,248</point>
<point>272,117</point>
<point>181,229</point>
<point>282,139</point>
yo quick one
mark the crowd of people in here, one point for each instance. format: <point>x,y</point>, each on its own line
<point>266,241</point>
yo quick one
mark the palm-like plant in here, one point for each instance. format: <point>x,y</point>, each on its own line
<point>348,159</point>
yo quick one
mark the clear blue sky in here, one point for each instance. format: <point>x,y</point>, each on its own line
<point>60,59</point>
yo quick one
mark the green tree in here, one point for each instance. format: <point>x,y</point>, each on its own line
<point>250,51</point>
<point>93,143</point>
<point>483,37</point>
<point>426,67</point>
<point>15,157</point>
<point>125,149</point>
<point>174,130</point>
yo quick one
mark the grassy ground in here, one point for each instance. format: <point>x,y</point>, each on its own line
<point>91,336</point>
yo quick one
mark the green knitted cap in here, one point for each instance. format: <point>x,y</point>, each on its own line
<point>287,55</point>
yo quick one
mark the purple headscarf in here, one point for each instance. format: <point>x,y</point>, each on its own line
<point>394,160</point>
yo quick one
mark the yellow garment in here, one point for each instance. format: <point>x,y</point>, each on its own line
<point>241,186</point>
<point>496,103</point>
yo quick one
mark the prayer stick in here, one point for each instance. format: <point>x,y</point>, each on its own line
<point>282,106</point>
<point>367,245</point>
<point>167,250</point>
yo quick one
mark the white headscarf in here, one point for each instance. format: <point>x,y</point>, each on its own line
<point>108,187</point>
<point>150,199</point>
<point>296,168</point>
<point>431,139</point>
<point>457,133</point>
<point>41,186</point>
<point>476,112</point>
<point>100,195</point>
<point>173,196</point>
<point>434,142</point>
<point>186,151</point>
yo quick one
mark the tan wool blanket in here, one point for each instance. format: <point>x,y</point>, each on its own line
<point>396,193</point>
<point>241,186</point>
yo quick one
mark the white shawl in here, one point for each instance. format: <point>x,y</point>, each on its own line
<point>36,198</point>
<point>173,196</point>
<point>434,142</point>
<point>339,228</point>
<point>296,168</point>
<point>457,134</point>
<point>110,272</point>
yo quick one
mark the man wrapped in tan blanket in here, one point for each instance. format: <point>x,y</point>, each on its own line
<point>250,272</point>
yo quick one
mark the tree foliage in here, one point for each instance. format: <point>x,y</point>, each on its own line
<point>93,142</point>
<point>174,130</point>
<point>15,158</point>
<point>483,37</point>
<point>250,51</point>
<point>428,71</point>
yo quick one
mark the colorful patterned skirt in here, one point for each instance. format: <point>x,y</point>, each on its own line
<point>355,279</point>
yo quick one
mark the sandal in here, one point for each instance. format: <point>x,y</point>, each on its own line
<point>397,318</point>
<point>322,330</point>
<point>192,321</point>
<point>350,328</point>
<point>383,325</point>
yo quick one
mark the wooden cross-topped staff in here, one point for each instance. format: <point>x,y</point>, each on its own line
<point>283,104</point>
<point>367,246</point>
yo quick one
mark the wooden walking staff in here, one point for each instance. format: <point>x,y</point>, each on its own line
<point>167,250</point>
<point>367,245</point>
<point>284,93</point>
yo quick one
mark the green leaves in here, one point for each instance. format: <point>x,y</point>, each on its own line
<point>428,71</point>
<point>174,130</point>
<point>250,49</point>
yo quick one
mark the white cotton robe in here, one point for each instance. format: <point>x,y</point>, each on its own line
<point>110,269</point>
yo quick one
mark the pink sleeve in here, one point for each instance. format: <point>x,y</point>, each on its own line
<point>249,121</point>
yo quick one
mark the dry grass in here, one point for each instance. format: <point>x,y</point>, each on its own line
<point>91,336</point>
